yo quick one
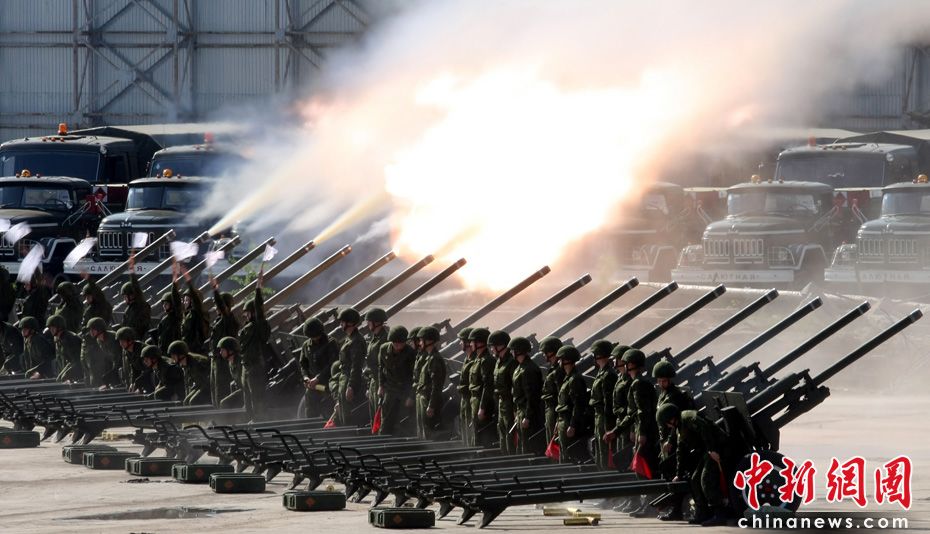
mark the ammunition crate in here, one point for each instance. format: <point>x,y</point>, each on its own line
<point>198,473</point>
<point>151,467</point>
<point>18,439</point>
<point>108,459</point>
<point>74,454</point>
<point>401,518</point>
<point>314,501</point>
<point>237,483</point>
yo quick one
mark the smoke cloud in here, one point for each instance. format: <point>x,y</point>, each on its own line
<point>522,124</point>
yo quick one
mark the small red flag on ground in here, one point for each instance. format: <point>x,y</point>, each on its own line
<point>553,451</point>
<point>376,422</point>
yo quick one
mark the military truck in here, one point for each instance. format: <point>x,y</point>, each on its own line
<point>108,158</point>
<point>891,253</point>
<point>59,210</point>
<point>205,159</point>
<point>775,232</point>
<point>154,206</point>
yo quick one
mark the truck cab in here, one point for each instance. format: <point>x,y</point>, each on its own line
<point>893,249</point>
<point>206,159</point>
<point>774,233</point>
<point>60,211</point>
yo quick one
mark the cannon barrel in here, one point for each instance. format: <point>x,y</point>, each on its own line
<point>817,339</point>
<point>426,286</point>
<point>602,303</point>
<point>240,263</point>
<point>202,264</point>
<point>722,328</point>
<point>307,276</point>
<point>631,314</point>
<point>672,321</point>
<point>158,269</point>
<point>350,283</point>
<point>276,270</point>
<point>772,331</point>
<point>538,310</point>
<point>277,318</point>
<point>393,282</point>
<point>143,253</point>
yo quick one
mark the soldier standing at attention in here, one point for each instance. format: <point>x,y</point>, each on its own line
<point>225,325</point>
<point>67,349</point>
<point>317,355</point>
<point>602,392</point>
<point>527,398</point>
<point>619,401</point>
<point>572,409</point>
<point>195,326</point>
<point>376,336</point>
<point>253,336</point>
<point>138,315</point>
<point>555,375</point>
<point>430,383</point>
<point>95,302</point>
<point>38,353</point>
<point>70,309</point>
<point>640,420</point>
<point>465,422</point>
<point>395,382</point>
<point>503,389</point>
<point>131,367</point>
<point>481,388</point>
<point>352,355</point>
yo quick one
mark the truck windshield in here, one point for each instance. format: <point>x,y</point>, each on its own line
<point>164,197</point>
<point>834,169</point>
<point>74,163</point>
<point>45,198</point>
<point>771,203</point>
<point>203,164</point>
<point>906,203</point>
<point>654,203</point>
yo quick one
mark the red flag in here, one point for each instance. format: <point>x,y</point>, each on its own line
<point>610,456</point>
<point>640,466</point>
<point>331,423</point>
<point>553,451</point>
<point>516,440</point>
<point>376,423</point>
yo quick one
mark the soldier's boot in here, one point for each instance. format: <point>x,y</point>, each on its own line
<point>719,518</point>
<point>672,513</point>
<point>644,509</point>
<point>701,514</point>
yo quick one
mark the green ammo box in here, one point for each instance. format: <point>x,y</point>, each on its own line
<point>401,518</point>
<point>74,454</point>
<point>237,483</point>
<point>151,467</point>
<point>198,473</point>
<point>314,501</point>
<point>108,459</point>
<point>18,439</point>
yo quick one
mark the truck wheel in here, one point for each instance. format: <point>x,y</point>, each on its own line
<point>767,490</point>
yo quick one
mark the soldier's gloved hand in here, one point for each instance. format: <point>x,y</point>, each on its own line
<point>409,403</point>
<point>525,423</point>
<point>714,456</point>
<point>667,447</point>
<point>676,479</point>
<point>642,440</point>
<point>429,412</point>
<point>610,436</point>
<point>570,431</point>
<point>481,415</point>
<point>381,391</point>
<point>349,393</point>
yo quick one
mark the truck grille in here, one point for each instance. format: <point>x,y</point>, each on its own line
<point>747,248</point>
<point>716,248</point>
<point>892,250</point>
<point>902,250</point>
<point>744,250</point>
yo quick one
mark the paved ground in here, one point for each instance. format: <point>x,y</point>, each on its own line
<point>40,493</point>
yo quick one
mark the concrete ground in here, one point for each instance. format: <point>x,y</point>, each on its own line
<point>40,493</point>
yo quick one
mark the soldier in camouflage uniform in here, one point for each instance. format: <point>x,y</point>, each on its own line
<point>70,309</point>
<point>395,379</point>
<point>573,409</point>
<point>35,299</point>
<point>555,375</point>
<point>195,325</point>
<point>225,325</point>
<point>640,420</point>
<point>138,315</point>
<point>169,327</point>
<point>465,422</point>
<point>481,388</point>
<point>527,398</point>
<point>196,369</point>
<point>95,302</point>
<point>504,368</point>
<point>38,353</point>
<point>11,343</point>
<point>228,349</point>
<point>352,355</point>
<point>131,367</point>
<point>430,383</point>
<point>317,355</point>
<point>67,349</point>
<point>7,294</point>
<point>164,379</point>
<point>376,336</point>
<point>669,393</point>
<point>100,354</point>
<point>253,337</point>
<point>602,392</point>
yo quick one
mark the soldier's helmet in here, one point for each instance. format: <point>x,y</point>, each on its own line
<point>29,322</point>
<point>398,334</point>
<point>601,348</point>
<point>229,343</point>
<point>313,328</point>
<point>550,344</point>
<point>376,315</point>
<point>56,321</point>
<point>87,290</point>
<point>520,345</point>
<point>568,352</point>
<point>177,347</point>
<point>126,333</point>
<point>151,352</point>
<point>97,323</point>
<point>464,333</point>
<point>165,298</point>
<point>619,351</point>
<point>664,369</point>
<point>414,332</point>
<point>429,333</point>
<point>65,289</point>
<point>634,357</point>
<point>350,315</point>
<point>666,413</point>
<point>479,334</point>
<point>249,304</point>
<point>126,289</point>
<point>498,337</point>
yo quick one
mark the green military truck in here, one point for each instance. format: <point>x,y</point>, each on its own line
<point>205,159</point>
<point>891,254</point>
